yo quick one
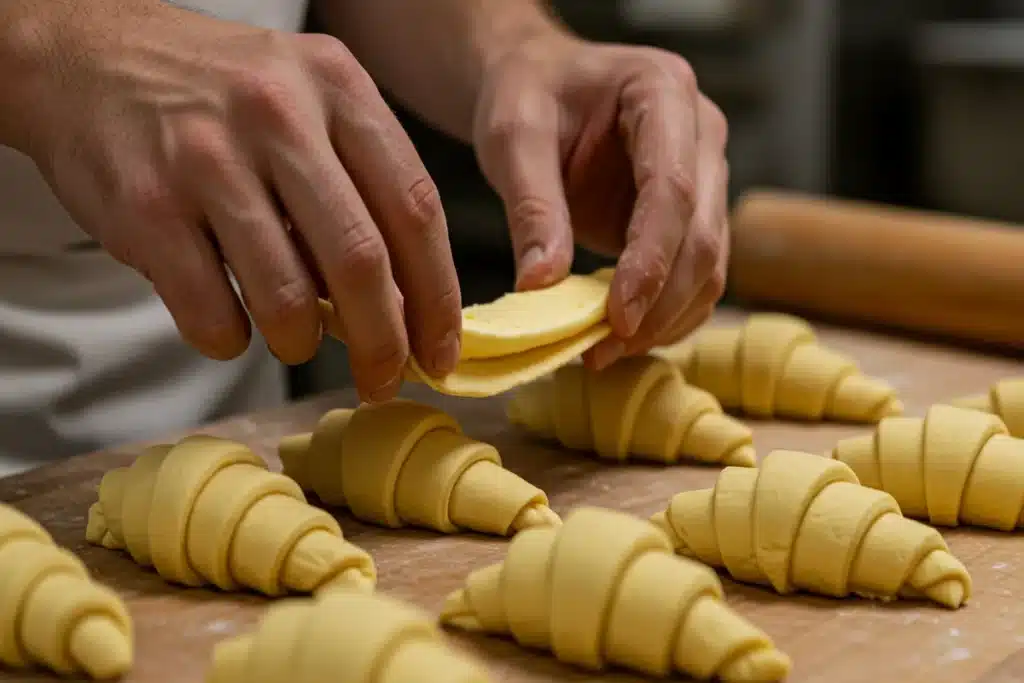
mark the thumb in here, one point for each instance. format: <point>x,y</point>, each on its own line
<point>523,164</point>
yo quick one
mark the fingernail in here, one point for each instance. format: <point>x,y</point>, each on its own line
<point>634,311</point>
<point>387,391</point>
<point>533,257</point>
<point>607,352</point>
<point>446,356</point>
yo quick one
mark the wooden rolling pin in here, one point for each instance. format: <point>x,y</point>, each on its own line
<point>955,277</point>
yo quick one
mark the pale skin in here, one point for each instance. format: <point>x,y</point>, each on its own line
<point>189,146</point>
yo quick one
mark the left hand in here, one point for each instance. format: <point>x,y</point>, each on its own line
<point>612,147</point>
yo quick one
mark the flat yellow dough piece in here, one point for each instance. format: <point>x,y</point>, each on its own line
<point>52,614</point>
<point>773,366</point>
<point>638,407</point>
<point>804,522</point>
<point>207,511</point>
<point>344,637</point>
<point>403,462</point>
<point>953,466</point>
<point>522,321</point>
<point>605,589</point>
<point>518,337</point>
<point>1005,399</point>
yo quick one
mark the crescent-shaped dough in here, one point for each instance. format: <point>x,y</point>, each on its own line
<point>773,366</point>
<point>206,511</point>
<point>1005,399</point>
<point>51,612</point>
<point>344,637</point>
<point>955,465</point>
<point>519,337</point>
<point>802,521</point>
<point>637,407</point>
<point>606,589</point>
<point>403,462</point>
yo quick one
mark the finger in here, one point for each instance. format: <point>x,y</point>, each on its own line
<point>349,251</point>
<point>521,158</point>
<point>406,206</point>
<point>696,261</point>
<point>688,319</point>
<point>275,286</point>
<point>659,120</point>
<point>704,303</point>
<point>196,290</point>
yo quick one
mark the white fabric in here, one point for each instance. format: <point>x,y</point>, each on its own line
<point>89,356</point>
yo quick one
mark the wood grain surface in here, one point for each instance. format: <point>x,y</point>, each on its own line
<point>833,641</point>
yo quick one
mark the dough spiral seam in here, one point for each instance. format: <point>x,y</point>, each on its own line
<point>817,530</point>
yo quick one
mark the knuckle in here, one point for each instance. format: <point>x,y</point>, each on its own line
<point>681,185</point>
<point>365,256</point>
<point>677,70</point>
<point>714,122</point>
<point>495,135</point>
<point>669,69</point>
<point>532,211</point>
<point>383,359</point>
<point>205,148</point>
<point>334,62</point>
<point>266,94</point>
<point>705,250</point>
<point>288,303</point>
<point>528,117</point>
<point>422,202</point>
<point>324,49</point>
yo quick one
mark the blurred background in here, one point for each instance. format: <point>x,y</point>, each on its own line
<point>918,103</point>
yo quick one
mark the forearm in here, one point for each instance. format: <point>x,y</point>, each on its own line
<point>431,55</point>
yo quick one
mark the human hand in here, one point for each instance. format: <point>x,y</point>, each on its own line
<point>613,146</point>
<point>183,143</point>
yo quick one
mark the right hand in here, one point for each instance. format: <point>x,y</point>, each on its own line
<point>184,143</point>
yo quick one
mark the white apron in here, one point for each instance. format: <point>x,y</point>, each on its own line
<point>89,356</point>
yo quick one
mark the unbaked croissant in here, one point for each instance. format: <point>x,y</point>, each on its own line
<point>51,612</point>
<point>1005,399</point>
<point>953,466</point>
<point>403,462</point>
<point>639,407</point>
<point>344,637</point>
<point>207,511</point>
<point>773,365</point>
<point>606,589</point>
<point>802,521</point>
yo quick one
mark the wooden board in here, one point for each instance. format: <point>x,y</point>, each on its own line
<point>833,641</point>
